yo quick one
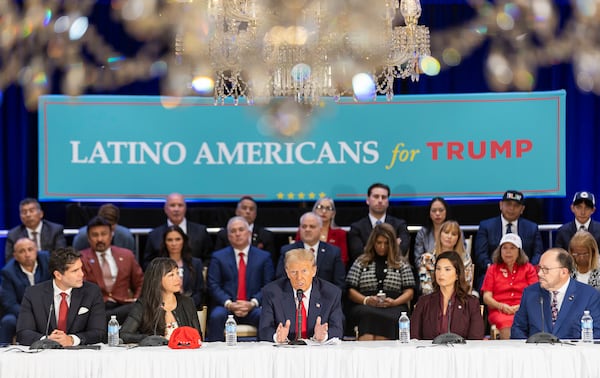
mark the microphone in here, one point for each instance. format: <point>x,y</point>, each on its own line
<point>449,337</point>
<point>47,343</point>
<point>155,340</point>
<point>542,337</point>
<point>298,340</point>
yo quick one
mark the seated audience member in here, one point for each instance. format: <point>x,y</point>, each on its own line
<point>121,236</point>
<point>115,270</point>
<point>261,237</point>
<point>378,196</point>
<point>46,235</point>
<point>450,238</point>
<point>438,212</point>
<point>321,302</point>
<point>329,262</point>
<point>27,268</point>
<point>199,240</point>
<point>236,275</point>
<point>161,307</point>
<point>491,231</point>
<point>330,233</point>
<point>381,284</point>
<point>77,316</point>
<point>504,282</point>
<point>450,308</point>
<point>562,299</point>
<point>175,246</point>
<point>583,206</point>
<point>584,250</point>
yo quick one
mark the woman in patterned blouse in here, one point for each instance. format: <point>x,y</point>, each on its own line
<point>380,286</point>
<point>584,249</point>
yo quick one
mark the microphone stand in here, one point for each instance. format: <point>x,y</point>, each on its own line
<point>155,340</point>
<point>47,343</point>
<point>542,337</point>
<point>449,337</point>
<point>298,339</point>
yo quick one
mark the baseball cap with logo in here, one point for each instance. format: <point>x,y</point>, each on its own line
<point>185,338</point>
<point>586,197</point>
<point>513,239</point>
<point>513,195</point>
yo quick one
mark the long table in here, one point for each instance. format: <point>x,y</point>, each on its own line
<point>478,359</point>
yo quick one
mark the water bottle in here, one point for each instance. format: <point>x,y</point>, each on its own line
<point>587,327</point>
<point>113,331</point>
<point>404,328</point>
<point>230,331</point>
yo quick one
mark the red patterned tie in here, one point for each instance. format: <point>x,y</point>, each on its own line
<point>241,278</point>
<point>62,313</point>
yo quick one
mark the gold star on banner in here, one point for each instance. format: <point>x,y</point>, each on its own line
<point>280,195</point>
<point>321,195</point>
<point>311,195</point>
<point>290,195</point>
<point>300,195</point>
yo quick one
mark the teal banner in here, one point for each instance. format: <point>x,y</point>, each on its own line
<point>469,145</point>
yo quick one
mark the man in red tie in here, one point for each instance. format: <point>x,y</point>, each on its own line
<point>236,275</point>
<point>320,309</point>
<point>65,309</point>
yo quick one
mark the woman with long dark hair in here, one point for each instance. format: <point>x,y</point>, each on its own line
<point>451,307</point>
<point>175,245</point>
<point>161,307</point>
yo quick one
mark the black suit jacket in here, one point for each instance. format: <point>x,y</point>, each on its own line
<point>261,239</point>
<point>279,305</point>
<point>329,263</point>
<point>51,237</point>
<point>86,318</point>
<point>361,230</point>
<point>567,230</point>
<point>200,242</point>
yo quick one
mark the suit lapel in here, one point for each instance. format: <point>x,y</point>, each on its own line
<point>314,307</point>
<point>76,298</point>
<point>97,270</point>
<point>289,306</point>
<point>565,307</point>
<point>48,300</point>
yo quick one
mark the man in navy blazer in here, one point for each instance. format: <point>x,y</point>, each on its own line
<point>321,299</point>
<point>329,259</point>
<point>40,309</point>
<point>510,221</point>
<point>583,206</point>
<point>198,236</point>
<point>378,196</point>
<point>46,235</point>
<point>572,298</point>
<point>230,295</point>
<point>15,281</point>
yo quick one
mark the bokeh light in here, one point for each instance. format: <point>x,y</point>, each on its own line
<point>429,65</point>
<point>363,87</point>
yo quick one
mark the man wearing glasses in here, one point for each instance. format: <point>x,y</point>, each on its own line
<point>562,299</point>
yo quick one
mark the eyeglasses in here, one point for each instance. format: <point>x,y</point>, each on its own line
<point>546,270</point>
<point>580,254</point>
<point>325,208</point>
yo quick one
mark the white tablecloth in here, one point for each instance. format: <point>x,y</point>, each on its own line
<point>478,359</point>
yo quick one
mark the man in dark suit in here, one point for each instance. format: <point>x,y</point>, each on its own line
<point>229,291</point>
<point>46,235</point>
<point>491,231</point>
<point>74,307</point>
<point>378,196</point>
<point>329,260</point>
<point>583,206</point>
<point>115,270</point>
<point>320,299</point>
<point>27,268</point>
<point>261,237</point>
<point>556,289</point>
<point>200,241</point>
